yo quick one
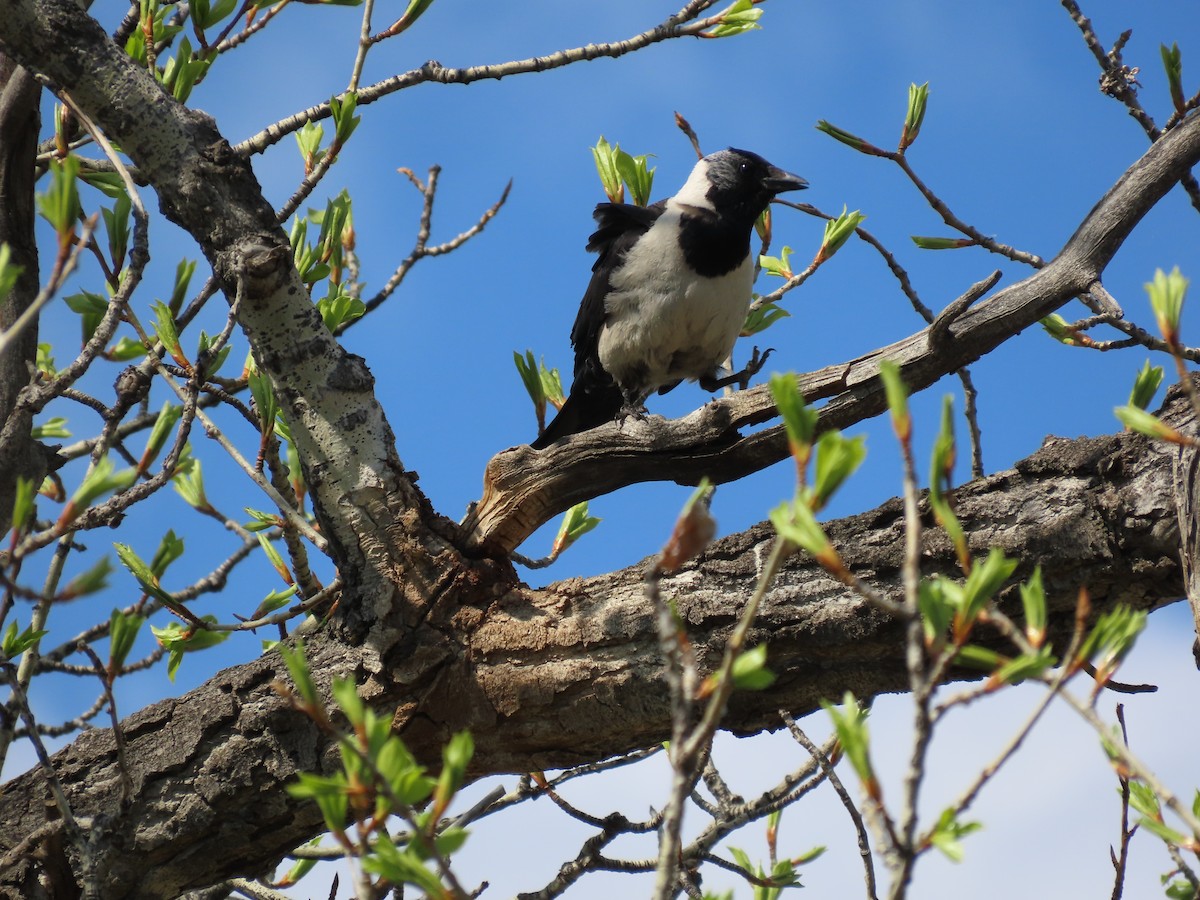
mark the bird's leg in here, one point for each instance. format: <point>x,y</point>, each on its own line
<point>742,379</point>
<point>634,406</point>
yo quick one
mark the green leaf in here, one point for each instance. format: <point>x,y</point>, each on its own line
<point>116,226</point>
<point>977,657</point>
<point>759,319</point>
<point>168,418</point>
<point>1025,666</point>
<point>451,840</point>
<point>51,428</point>
<point>170,548</point>
<point>401,867</point>
<point>837,459</point>
<point>297,666</point>
<point>1142,422</point>
<point>308,139</point>
<point>984,582</point>
<point>110,184</point>
<point>183,277</point>
<point>926,242</point>
<point>837,232</point>
<point>1145,385</point>
<point>22,511</point>
<point>340,309</point>
<point>948,832</point>
<point>300,867</point>
<point>59,205</point>
<point>850,140</point>
<point>1110,640</point>
<point>414,11</point>
<point>208,14</point>
<point>99,481</point>
<point>551,384</point>
<point>9,271</point>
<point>274,557</point>
<point>91,581</point>
<point>937,598</point>
<point>750,672</point>
<point>123,630</point>
<point>941,468</point>
<point>14,643</point>
<point>1173,65</point>
<point>184,70</point>
<point>778,265</point>
<point>799,419</point>
<point>345,693</point>
<point>126,349</point>
<point>575,524</point>
<point>164,329</point>
<point>90,308</point>
<point>918,96</point>
<point>605,155</point>
<point>209,362</point>
<point>897,398</point>
<point>456,756</point>
<point>189,484</point>
<point>144,575</point>
<point>331,794</point>
<point>263,393</point>
<point>44,361</point>
<point>273,601</point>
<point>794,522</point>
<point>177,640</point>
<point>343,108</point>
<point>260,521</point>
<point>850,724</point>
<point>1167,293</point>
<point>636,176</point>
<point>1033,601</point>
<point>739,17</point>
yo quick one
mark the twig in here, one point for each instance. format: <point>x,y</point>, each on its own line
<point>117,731</point>
<point>683,23</point>
<point>421,249</point>
<point>860,828</point>
<point>1121,860</point>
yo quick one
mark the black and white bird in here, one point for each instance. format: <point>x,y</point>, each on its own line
<point>669,292</point>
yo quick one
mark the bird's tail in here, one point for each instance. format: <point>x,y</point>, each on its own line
<point>583,410</point>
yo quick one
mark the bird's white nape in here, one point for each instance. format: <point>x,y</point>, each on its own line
<point>695,190</point>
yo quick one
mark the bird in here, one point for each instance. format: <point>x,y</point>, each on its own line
<point>669,292</point>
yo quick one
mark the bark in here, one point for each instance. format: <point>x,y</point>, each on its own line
<point>547,678</point>
<point>20,120</point>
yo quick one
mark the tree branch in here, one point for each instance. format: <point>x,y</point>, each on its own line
<point>571,674</point>
<point>524,488</point>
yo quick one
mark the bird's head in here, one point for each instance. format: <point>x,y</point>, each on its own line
<point>737,184</point>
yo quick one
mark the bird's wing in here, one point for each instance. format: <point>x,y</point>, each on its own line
<point>594,397</point>
<point>619,225</point>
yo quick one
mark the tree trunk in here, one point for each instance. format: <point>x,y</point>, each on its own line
<point>20,122</point>
<point>572,673</point>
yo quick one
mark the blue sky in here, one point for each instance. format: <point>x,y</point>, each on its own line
<point>1017,140</point>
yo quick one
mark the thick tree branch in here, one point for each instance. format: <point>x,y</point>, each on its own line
<point>524,488</point>
<point>20,455</point>
<point>573,673</point>
<point>369,510</point>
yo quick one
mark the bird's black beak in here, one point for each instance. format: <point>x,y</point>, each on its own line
<point>778,181</point>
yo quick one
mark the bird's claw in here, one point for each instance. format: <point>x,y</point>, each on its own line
<point>754,366</point>
<point>635,411</point>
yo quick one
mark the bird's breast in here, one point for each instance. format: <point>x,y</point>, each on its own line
<point>664,321</point>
